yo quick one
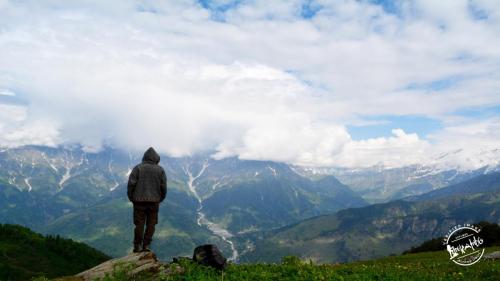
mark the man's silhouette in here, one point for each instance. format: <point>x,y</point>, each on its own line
<point>147,187</point>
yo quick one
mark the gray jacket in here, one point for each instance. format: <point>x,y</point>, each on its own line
<point>147,181</point>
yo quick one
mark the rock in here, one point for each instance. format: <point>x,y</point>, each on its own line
<point>134,263</point>
<point>492,256</point>
<point>209,255</point>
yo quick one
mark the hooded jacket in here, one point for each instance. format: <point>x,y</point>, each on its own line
<point>147,181</point>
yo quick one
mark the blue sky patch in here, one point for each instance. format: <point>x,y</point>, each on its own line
<point>479,112</point>
<point>476,12</point>
<point>309,9</point>
<point>389,6</point>
<point>436,85</point>
<point>218,10</point>
<point>409,123</point>
<point>10,97</point>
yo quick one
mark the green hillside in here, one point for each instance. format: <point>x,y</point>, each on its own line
<point>25,254</point>
<point>490,232</point>
<point>373,231</point>
<point>274,201</point>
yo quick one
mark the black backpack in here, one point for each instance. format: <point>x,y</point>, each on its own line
<point>209,255</point>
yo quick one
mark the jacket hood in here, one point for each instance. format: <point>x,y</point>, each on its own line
<point>151,156</point>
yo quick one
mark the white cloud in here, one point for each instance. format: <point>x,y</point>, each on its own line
<point>287,137</point>
<point>263,84</point>
<point>470,145</point>
<point>16,130</point>
<point>6,92</point>
<point>401,149</point>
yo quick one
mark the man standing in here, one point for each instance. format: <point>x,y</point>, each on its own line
<point>147,187</point>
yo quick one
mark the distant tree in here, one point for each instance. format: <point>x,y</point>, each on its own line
<point>490,232</point>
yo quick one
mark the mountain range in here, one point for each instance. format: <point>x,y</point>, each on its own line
<point>246,207</point>
<point>82,196</point>
<point>381,229</point>
<point>382,184</point>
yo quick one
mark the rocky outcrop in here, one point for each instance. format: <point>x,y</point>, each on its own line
<point>134,264</point>
<point>144,264</point>
<point>492,256</point>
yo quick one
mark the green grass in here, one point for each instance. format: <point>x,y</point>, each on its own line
<point>422,266</point>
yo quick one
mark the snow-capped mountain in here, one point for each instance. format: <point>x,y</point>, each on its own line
<point>82,195</point>
<point>377,184</point>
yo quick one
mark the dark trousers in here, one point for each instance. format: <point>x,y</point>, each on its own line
<point>145,213</point>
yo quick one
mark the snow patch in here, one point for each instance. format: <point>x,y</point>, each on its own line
<point>217,184</point>
<point>273,170</point>
<point>110,170</point>
<point>27,182</point>
<point>50,163</point>
<point>65,177</point>
<point>68,167</point>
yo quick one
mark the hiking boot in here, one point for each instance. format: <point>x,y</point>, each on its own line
<point>137,248</point>
<point>146,248</point>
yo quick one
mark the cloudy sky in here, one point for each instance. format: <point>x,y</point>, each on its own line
<point>316,83</point>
